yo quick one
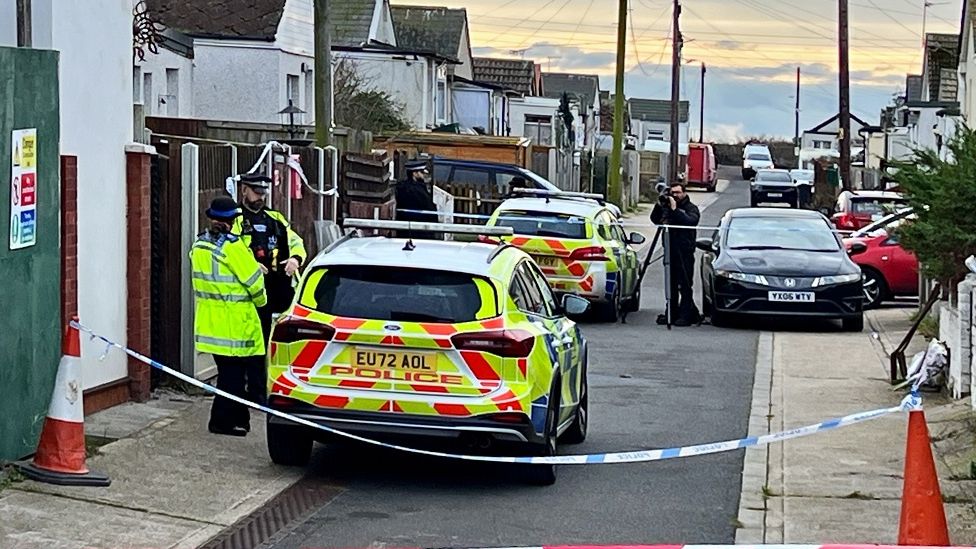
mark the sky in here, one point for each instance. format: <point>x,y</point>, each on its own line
<point>750,48</point>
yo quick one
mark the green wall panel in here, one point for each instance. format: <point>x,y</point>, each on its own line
<point>30,278</point>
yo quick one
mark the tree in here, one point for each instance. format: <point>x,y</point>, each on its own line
<point>942,195</point>
<point>360,106</point>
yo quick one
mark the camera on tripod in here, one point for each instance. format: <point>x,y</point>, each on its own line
<point>663,192</point>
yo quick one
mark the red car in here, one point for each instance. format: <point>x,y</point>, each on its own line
<point>856,209</point>
<point>889,270</point>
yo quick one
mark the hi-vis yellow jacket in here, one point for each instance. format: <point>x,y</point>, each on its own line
<point>228,286</point>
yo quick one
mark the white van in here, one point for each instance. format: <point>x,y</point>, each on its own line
<point>755,157</point>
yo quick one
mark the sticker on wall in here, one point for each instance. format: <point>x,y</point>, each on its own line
<point>23,189</point>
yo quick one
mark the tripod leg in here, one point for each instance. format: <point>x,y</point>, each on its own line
<point>643,268</point>
<point>668,312</point>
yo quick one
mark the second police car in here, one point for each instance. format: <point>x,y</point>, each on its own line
<point>458,341</point>
<point>578,241</point>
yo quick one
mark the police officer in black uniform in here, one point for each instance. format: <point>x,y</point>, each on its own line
<point>278,249</point>
<point>412,194</point>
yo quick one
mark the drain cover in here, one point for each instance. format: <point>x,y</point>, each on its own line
<point>291,506</point>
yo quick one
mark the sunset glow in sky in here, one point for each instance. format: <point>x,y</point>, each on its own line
<point>751,49</point>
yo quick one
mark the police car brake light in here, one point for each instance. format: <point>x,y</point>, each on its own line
<point>291,329</point>
<point>504,343</point>
<point>590,253</point>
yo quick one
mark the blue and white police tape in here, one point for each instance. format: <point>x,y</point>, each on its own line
<point>760,228</point>
<point>911,402</point>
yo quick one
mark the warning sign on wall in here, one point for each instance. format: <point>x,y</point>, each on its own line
<point>23,191</point>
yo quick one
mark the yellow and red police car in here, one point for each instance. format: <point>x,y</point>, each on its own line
<point>392,337</point>
<point>577,240</point>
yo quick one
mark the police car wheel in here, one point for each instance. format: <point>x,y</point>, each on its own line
<point>610,312</point>
<point>544,475</point>
<point>577,431</point>
<point>289,445</point>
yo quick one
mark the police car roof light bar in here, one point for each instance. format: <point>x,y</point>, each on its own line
<point>449,228</point>
<point>558,194</point>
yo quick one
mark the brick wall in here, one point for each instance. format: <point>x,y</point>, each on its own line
<point>69,238</point>
<point>137,270</point>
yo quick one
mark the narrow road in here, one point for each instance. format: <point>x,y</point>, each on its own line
<point>650,388</point>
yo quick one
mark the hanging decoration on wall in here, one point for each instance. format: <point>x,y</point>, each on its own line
<point>145,32</point>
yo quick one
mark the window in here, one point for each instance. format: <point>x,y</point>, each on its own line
<point>479,178</point>
<point>818,144</point>
<point>538,289</point>
<point>876,206</point>
<point>291,90</point>
<point>779,177</point>
<point>441,102</point>
<point>538,129</point>
<point>147,93</point>
<point>655,135</point>
<point>533,301</point>
<point>399,294</point>
<point>136,84</point>
<point>552,224</point>
<point>171,100</point>
<point>805,234</point>
<point>442,173</point>
<point>309,95</point>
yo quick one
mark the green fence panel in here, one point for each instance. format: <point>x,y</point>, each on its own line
<point>30,304</point>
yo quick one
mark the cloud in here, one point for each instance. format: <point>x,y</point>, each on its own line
<point>732,45</point>
<point>739,102</point>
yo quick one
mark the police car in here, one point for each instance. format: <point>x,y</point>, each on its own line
<point>577,240</point>
<point>428,339</point>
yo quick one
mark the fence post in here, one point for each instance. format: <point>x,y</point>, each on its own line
<point>320,161</point>
<point>190,186</point>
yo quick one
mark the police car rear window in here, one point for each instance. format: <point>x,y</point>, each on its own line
<point>399,294</point>
<point>546,224</point>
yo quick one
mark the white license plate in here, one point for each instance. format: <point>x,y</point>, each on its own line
<point>798,297</point>
<point>774,195</point>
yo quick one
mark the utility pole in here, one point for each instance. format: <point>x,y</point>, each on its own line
<point>323,74</point>
<point>701,109</point>
<point>796,122</point>
<point>676,42</point>
<point>613,179</point>
<point>24,24</point>
<point>844,119</point>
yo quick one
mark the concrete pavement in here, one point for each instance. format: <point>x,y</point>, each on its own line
<point>843,486</point>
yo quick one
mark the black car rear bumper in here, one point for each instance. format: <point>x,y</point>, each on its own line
<point>837,301</point>
<point>771,194</point>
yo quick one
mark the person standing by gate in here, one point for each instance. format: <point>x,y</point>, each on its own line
<point>228,286</point>
<point>277,248</point>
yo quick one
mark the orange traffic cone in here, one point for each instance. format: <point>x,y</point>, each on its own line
<point>923,518</point>
<point>60,456</point>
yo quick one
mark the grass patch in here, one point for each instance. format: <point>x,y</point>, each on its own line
<point>946,498</point>
<point>93,444</point>
<point>9,476</point>
<point>858,495</point>
<point>768,492</point>
<point>736,523</point>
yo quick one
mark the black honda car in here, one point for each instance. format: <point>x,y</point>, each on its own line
<point>775,261</point>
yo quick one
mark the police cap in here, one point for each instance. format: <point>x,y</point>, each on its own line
<point>416,166</point>
<point>223,208</point>
<point>258,182</point>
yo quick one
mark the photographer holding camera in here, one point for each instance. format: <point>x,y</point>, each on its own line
<point>674,207</point>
